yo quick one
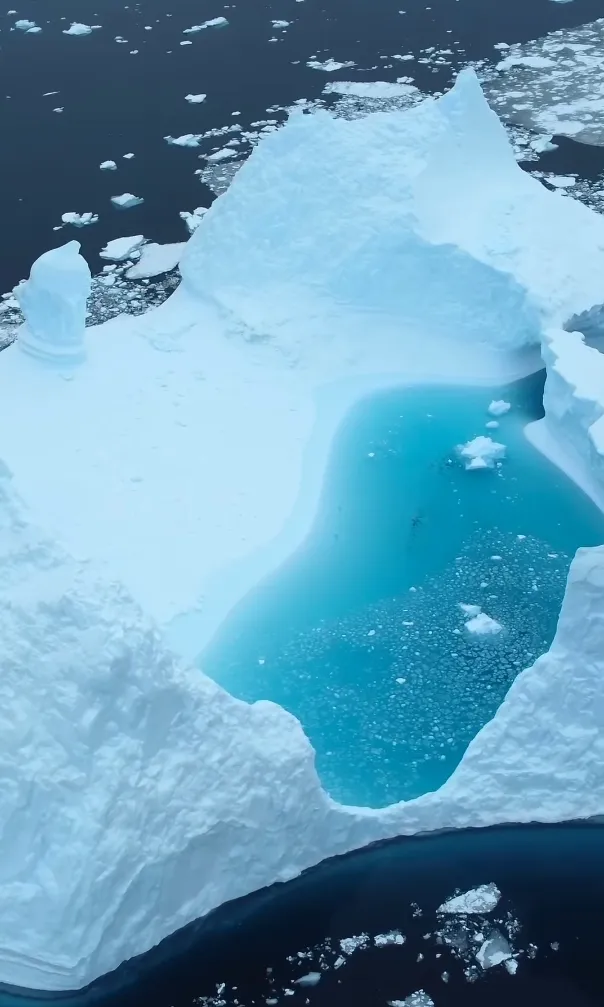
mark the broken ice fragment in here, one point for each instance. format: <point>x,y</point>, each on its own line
<point>419,999</point>
<point>499,406</point>
<point>121,249</point>
<point>393,937</point>
<point>156,259</point>
<point>195,99</point>
<point>329,66</point>
<point>468,610</point>
<point>481,453</point>
<point>483,625</point>
<point>80,29</point>
<point>478,900</point>
<point>25,25</point>
<point>310,979</point>
<point>108,166</point>
<point>186,140</point>
<point>126,200</point>
<point>193,220</point>
<point>493,952</point>
<point>79,219</point>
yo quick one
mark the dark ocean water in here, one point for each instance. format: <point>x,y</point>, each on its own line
<point>251,952</point>
<point>115,102</point>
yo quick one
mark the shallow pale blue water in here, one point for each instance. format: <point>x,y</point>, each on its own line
<point>360,633</point>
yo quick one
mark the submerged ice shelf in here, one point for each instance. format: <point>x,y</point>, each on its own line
<point>181,459</point>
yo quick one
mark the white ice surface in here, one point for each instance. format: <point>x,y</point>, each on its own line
<point>156,259</point>
<point>120,249</point>
<point>108,166</point>
<point>481,453</point>
<point>80,29</point>
<point>483,625</point>
<point>185,458</point>
<point>478,900</point>
<point>126,200</point>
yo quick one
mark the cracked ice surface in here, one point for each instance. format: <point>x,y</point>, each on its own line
<point>554,85</point>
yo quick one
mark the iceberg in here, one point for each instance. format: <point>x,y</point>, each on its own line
<point>184,458</point>
<point>53,301</point>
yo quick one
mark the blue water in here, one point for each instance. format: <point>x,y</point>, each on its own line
<point>360,633</point>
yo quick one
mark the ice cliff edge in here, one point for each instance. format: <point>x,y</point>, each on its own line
<point>137,795</point>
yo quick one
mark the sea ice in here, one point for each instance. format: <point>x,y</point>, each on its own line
<point>126,200</point>
<point>481,453</point>
<point>195,99</point>
<point>121,249</point>
<point>193,220</point>
<point>493,951</point>
<point>24,24</point>
<point>108,166</point>
<point>499,406</point>
<point>329,65</point>
<point>478,900</point>
<point>80,29</point>
<point>215,22</point>
<point>156,259</point>
<point>186,140</point>
<point>79,219</point>
<point>483,625</point>
<point>53,301</point>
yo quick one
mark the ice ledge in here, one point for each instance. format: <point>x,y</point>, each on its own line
<point>138,795</point>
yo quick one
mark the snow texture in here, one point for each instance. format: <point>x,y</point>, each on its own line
<point>132,783</point>
<point>53,301</point>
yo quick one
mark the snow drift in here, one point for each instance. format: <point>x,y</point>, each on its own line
<point>137,795</point>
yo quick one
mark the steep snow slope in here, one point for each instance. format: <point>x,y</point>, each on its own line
<point>137,795</point>
<point>187,452</point>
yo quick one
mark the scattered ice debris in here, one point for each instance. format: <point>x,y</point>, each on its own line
<point>126,200</point>
<point>499,407</point>
<point>222,155</point>
<point>128,157</point>
<point>79,219</point>
<point>60,109</point>
<point>80,29</point>
<point>186,140</point>
<point>329,66</point>
<point>534,62</point>
<point>108,166</point>
<point>478,900</point>
<point>281,24</point>
<point>419,999</point>
<point>351,944</point>
<point>493,951</point>
<point>121,249</point>
<point>310,979</point>
<point>483,625</point>
<point>25,25</point>
<point>156,259</point>
<point>481,453</point>
<point>392,937</point>
<point>195,99</point>
<point>193,220</point>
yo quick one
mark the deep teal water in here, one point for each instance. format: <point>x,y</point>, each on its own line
<point>360,633</point>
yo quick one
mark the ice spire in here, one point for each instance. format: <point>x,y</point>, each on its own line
<point>53,301</point>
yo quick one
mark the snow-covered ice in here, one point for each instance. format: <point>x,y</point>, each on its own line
<point>156,259</point>
<point>215,22</point>
<point>108,166</point>
<point>478,900</point>
<point>186,140</point>
<point>193,219</point>
<point>126,200</point>
<point>494,951</point>
<point>24,25</point>
<point>499,407</point>
<point>195,99</point>
<point>120,249</point>
<point>481,453</point>
<point>329,65</point>
<point>212,419</point>
<point>53,301</point>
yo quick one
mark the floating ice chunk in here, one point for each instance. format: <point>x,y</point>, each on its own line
<point>483,625</point>
<point>478,900</point>
<point>193,220</point>
<point>79,219</point>
<point>350,944</point>
<point>499,406</point>
<point>561,181</point>
<point>281,24</point>
<point>156,259</point>
<point>80,29</point>
<point>53,301</point>
<point>310,979</point>
<point>215,22</point>
<point>329,66</point>
<point>533,62</point>
<point>470,609</point>
<point>25,25</point>
<point>492,424</point>
<point>392,937</point>
<point>186,140</point>
<point>195,99</point>
<point>419,999</point>
<point>481,453</point>
<point>192,29</point>
<point>543,144</point>
<point>128,157</point>
<point>225,154</point>
<point>126,200</point>
<point>108,166</point>
<point>371,89</point>
<point>121,249</point>
<point>493,952</point>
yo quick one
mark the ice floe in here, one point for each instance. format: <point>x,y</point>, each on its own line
<point>120,249</point>
<point>481,453</point>
<point>126,200</point>
<point>156,259</point>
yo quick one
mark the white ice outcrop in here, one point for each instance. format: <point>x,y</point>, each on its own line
<point>53,301</point>
<point>137,795</point>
